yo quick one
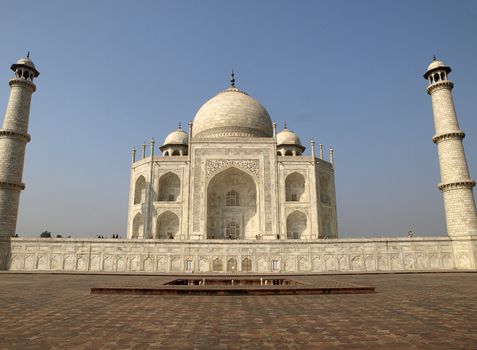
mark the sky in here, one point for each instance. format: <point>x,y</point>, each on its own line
<point>345,73</point>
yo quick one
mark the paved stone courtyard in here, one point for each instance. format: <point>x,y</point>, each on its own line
<point>409,311</point>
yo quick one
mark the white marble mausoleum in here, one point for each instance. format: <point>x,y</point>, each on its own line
<point>233,195</point>
<point>232,177</point>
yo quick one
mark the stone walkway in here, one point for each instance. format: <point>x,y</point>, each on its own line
<point>409,311</point>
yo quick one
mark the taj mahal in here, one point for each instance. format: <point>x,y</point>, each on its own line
<point>232,194</point>
<point>235,177</point>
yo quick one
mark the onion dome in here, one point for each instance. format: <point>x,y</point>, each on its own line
<point>288,143</point>
<point>232,113</point>
<point>288,137</point>
<point>177,137</point>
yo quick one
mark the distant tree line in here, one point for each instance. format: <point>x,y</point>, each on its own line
<point>47,234</point>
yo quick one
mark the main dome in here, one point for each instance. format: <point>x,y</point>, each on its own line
<point>232,113</point>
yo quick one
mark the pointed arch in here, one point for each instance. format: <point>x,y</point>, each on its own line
<point>217,264</point>
<point>167,225</point>
<point>232,205</point>
<point>137,226</point>
<point>140,190</point>
<point>296,225</point>
<point>295,187</point>
<point>169,187</point>
<point>246,264</point>
<point>232,265</point>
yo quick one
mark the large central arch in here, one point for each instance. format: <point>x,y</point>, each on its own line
<point>232,206</point>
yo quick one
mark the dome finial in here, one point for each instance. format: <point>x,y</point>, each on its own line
<point>232,79</point>
<point>180,126</point>
<point>433,57</point>
<point>285,125</point>
<point>28,54</point>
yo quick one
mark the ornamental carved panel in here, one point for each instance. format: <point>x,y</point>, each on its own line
<point>251,166</point>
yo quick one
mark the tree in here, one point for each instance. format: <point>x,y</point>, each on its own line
<point>59,236</point>
<point>45,234</point>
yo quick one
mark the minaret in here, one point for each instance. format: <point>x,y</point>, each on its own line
<point>13,139</point>
<point>456,184</point>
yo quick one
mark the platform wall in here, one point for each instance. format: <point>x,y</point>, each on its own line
<point>379,254</point>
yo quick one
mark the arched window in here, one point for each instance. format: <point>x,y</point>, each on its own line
<point>140,190</point>
<point>232,199</point>
<point>295,188</point>
<point>233,230</point>
<point>176,153</point>
<point>169,187</point>
<point>288,153</point>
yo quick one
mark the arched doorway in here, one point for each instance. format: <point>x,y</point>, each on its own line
<point>167,225</point>
<point>232,206</point>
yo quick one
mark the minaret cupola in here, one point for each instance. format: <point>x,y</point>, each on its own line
<point>288,143</point>
<point>176,143</point>
<point>25,69</point>
<point>437,72</point>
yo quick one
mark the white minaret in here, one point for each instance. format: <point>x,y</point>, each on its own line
<point>13,139</point>
<point>456,184</point>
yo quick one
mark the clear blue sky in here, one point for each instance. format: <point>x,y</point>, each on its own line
<point>347,73</point>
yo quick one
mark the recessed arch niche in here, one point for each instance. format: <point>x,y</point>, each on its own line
<point>232,219</point>
<point>296,225</point>
<point>295,188</point>
<point>169,187</point>
<point>137,226</point>
<point>167,225</point>
<point>140,190</point>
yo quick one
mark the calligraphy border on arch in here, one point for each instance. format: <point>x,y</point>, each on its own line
<point>251,166</point>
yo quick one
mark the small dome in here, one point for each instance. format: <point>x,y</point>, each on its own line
<point>232,113</point>
<point>288,137</point>
<point>436,64</point>
<point>177,137</point>
<point>25,61</point>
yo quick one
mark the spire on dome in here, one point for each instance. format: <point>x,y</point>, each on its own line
<point>232,79</point>
<point>180,126</point>
<point>28,54</point>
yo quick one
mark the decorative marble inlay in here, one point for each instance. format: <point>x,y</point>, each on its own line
<point>213,166</point>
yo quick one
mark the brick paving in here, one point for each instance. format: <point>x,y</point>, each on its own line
<point>409,311</point>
